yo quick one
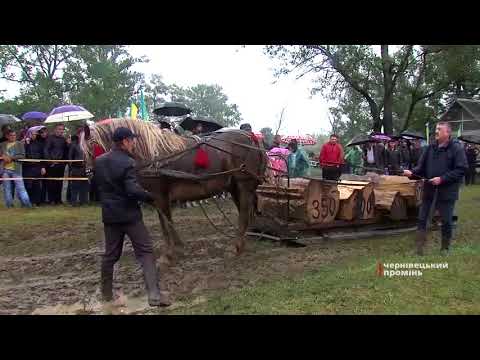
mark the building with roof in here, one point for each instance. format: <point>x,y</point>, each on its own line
<point>464,115</point>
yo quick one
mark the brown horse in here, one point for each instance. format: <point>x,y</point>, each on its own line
<point>232,161</point>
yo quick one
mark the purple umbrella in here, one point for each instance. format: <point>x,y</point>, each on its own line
<point>380,137</point>
<point>68,113</point>
<point>34,115</point>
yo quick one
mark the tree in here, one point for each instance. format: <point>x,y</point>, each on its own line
<point>418,75</point>
<point>101,78</point>
<point>267,135</point>
<point>98,77</point>
<point>38,69</point>
<point>209,101</point>
<point>156,91</point>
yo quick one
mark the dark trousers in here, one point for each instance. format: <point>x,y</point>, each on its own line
<point>94,194</point>
<point>331,173</point>
<point>43,192</point>
<point>55,186</point>
<point>79,192</point>
<point>470,176</point>
<point>114,237</point>
<point>445,208</point>
<point>34,190</point>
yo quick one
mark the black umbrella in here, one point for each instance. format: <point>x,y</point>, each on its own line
<point>359,140</point>
<point>413,134</point>
<point>472,139</point>
<point>172,109</point>
<point>208,125</point>
<point>8,119</point>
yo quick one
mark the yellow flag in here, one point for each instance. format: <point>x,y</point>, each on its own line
<point>133,111</point>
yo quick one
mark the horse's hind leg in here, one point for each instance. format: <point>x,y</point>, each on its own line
<point>170,253</point>
<point>177,241</point>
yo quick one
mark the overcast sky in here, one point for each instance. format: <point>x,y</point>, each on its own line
<point>246,76</point>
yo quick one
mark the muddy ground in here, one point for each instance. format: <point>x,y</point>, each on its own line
<point>47,277</point>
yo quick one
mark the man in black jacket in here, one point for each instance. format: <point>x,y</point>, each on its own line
<point>34,150</point>
<point>374,157</point>
<point>121,214</point>
<point>79,188</point>
<point>56,148</point>
<point>444,164</point>
<point>471,154</point>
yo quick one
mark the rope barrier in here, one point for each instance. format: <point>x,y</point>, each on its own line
<point>47,160</point>
<point>42,178</point>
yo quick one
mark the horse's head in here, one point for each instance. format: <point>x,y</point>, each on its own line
<point>90,147</point>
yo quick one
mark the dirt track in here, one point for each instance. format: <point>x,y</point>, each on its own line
<point>68,282</point>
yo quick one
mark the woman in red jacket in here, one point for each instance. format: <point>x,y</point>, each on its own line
<point>331,159</point>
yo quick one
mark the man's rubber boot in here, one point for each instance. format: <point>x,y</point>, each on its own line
<point>155,298</point>
<point>420,242</point>
<point>107,285</point>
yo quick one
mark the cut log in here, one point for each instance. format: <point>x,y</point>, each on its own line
<point>349,199</point>
<point>310,201</point>
<point>411,190</point>
<point>391,203</point>
<point>322,202</point>
<point>366,199</point>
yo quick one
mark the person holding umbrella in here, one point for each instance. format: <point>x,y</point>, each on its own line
<point>34,150</point>
<point>415,152</point>
<point>354,159</point>
<point>471,152</point>
<point>443,164</point>
<point>374,157</point>
<point>56,148</point>
<point>393,158</point>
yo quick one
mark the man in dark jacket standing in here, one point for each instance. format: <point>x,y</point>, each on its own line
<point>56,148</point>
<point>444,164</point>
<point>374,157</point>
<point>34,150</point>
<point>471,154</point>
<point>393,158</point>
<point>121,214</point>
<point>79,188</point>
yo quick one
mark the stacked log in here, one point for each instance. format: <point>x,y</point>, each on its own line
<point>357,200</point>
<point>391,203</point>
<point>310,201</point>
<point>315,201</point>
<point>411,190</point>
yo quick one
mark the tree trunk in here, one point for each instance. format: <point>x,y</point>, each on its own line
<point>388,90</point>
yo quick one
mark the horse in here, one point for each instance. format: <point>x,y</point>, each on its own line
<point>178,168</point>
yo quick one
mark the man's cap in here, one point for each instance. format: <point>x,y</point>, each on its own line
<point>123,133</point>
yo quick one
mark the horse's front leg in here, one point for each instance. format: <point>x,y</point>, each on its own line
<point>245,208</point>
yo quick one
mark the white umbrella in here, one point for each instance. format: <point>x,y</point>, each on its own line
<point>67,113</point>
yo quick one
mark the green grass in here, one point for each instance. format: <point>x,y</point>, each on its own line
<point>351,286</point>
<point>47,229</point>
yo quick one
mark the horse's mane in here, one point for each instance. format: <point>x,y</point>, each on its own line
<point>152,142</point>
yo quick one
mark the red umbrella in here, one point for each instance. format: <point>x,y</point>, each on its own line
<point>301,139</point>
<point>104,121</point>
